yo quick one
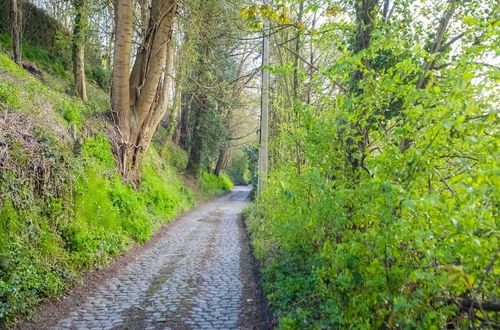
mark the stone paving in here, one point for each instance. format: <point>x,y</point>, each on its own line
<point>190,279</point>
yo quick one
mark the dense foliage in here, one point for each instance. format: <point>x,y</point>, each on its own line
<point>381,208</point>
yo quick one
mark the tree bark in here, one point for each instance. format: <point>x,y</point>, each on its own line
<point>176,109</point>
<point>195,145</point>
<point>182,135</point>
<point>16,22</point>
<point>168,82</point>
<point>80,24</point>
<point>221,161</point>
<point>120,98</point>
<point>356,151</point>
<point>139,99</point>
<point>295,86</point>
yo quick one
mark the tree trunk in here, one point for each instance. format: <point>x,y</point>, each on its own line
<point>356,151</point>
<point>221,161</point>
<point>295,86</point>
<point>182,137</point>
<point>16,21</point>
<point>139,99</point>
<point>80,24</point>
<point>120,98</point>
<point>169,79</point>
<point>195,145</point>
<point>176,109</point>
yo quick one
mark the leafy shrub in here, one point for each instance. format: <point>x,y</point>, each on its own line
<point>135,220</point>
<point>98,149</point>
<point>381,207</point>
<point>162,188</point>
<point>31,254</point>
<point>176,156</point>
<point>9,94</point>
<point>95,231</point>
<point>101,76</point>
<point>213,185</point>
<point>71,113</point>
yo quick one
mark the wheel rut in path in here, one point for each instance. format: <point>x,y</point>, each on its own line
<point>193,277</point>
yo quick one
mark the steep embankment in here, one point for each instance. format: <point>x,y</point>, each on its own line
<point>63,206</point>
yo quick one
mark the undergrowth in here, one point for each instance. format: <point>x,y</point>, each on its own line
<point>213,184</point>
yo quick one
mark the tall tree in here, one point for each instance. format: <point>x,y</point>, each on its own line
<point>243,78</point>
<point>213,72</point>
<point>138,98</point>
<point>16,27</point>
<point>358,140</point>
<point>79,30</point>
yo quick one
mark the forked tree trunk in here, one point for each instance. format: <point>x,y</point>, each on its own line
<point>16,22</point>
<point>139,97</point>
<point>79,47</point>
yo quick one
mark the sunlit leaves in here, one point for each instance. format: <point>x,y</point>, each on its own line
<point>256,14</point>
<point>333,11</point>
<point>419,221</point>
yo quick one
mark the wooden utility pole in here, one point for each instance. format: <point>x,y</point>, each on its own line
<point>264,114</point>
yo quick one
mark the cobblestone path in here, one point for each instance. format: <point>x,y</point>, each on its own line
<point>190,279</point>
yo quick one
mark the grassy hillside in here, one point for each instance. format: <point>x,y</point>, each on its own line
<point>63,206</point>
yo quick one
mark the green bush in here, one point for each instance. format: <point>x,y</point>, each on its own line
<point>32,260</point>
<point>214,185</point>
<point>98,149</point>
<point>9,95</point>
<point>161,201</point>
<point>71,113</point>
<point>382,204</point>
<point>135,220</point>
<point>176,156</point>
<point>101,76</point>
<point>162,188</point>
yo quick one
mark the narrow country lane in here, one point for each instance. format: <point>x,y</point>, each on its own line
<point>191,278</point>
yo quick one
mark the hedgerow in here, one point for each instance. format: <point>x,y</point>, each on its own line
<point>382,204</point>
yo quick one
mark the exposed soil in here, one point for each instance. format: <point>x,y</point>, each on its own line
<point>255,313</point>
